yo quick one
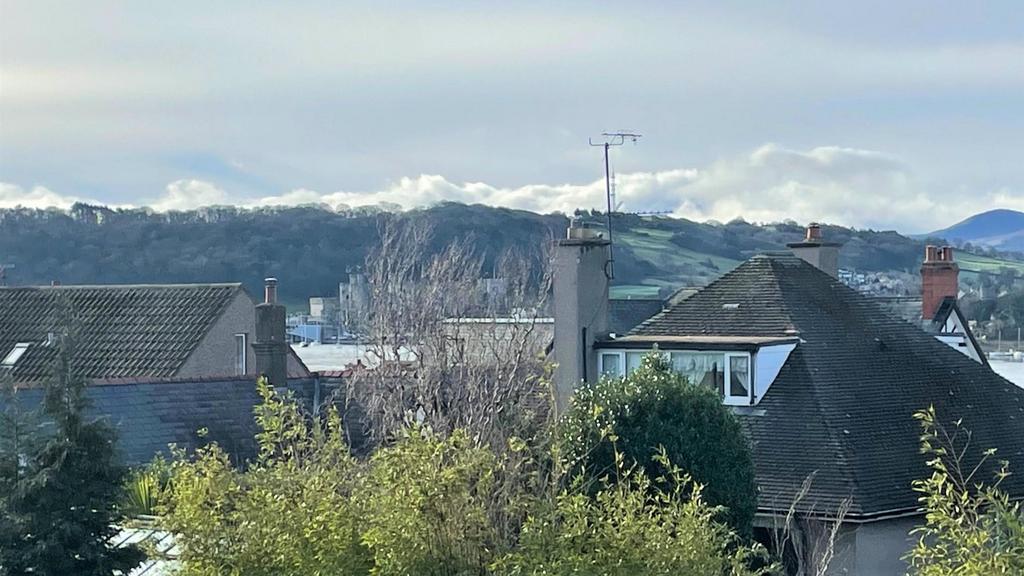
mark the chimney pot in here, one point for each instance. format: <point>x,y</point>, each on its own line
<point>270,291</point>
<point>54,282</point>
<point>813,232</point>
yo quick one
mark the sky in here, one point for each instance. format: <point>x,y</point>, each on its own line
<point>887,115</point>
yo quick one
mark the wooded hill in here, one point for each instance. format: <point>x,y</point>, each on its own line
<point>310,248</point>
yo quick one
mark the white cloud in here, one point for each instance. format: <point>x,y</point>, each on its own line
<point>830,184</point>
<point>188,194</point>
<point>14,196</point>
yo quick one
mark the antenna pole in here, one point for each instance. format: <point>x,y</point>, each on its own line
<point>608,215</point>
<point>611,139</point>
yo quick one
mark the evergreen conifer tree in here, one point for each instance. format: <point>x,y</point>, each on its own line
<point>60,509</point>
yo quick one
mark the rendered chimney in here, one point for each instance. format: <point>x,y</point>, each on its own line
<point>814,250</point>
<point>580,307</point>
<point>940,279</point>
<point>270,347</point>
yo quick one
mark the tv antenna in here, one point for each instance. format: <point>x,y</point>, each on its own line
<point>609,139</point>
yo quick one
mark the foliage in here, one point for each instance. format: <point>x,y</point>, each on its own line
<point>430,504</point>
<point>632,526</point>
<point>971,528</point>
<point>291,512</point>
<point>426,506</point>
<point>143,488</point>
<point>61,510</point>
<point>654,407</point>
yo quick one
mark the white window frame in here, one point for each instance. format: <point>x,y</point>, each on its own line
<point>730,399</point>
<point>242,361</point>
<point>727,398</point>
<point>621,355</point>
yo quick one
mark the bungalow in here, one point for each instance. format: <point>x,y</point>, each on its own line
<point>824,380</point>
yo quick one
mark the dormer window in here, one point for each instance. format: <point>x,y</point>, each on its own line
<point>726,372</point>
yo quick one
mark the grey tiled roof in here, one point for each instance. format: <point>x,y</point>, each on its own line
<point>625,314</point>
<point>841,408</point>
<point>123,331</point>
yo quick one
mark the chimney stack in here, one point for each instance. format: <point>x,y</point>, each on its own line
<point>815,251</point>
<point>940,279</point>
<point>270,346</point>
<point>580,307</point>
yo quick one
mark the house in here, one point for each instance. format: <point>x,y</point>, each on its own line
<point>824,380</point>
<point>165,363</point>
<point>155,331</point>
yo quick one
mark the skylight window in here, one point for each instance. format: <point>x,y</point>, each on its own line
<point>15,354</point>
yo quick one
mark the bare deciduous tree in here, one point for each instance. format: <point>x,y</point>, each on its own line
<point>446,352</point>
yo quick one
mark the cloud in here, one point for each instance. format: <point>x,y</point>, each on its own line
<point>189,194</point>
<point>13,196</point>
<point>772,183</point>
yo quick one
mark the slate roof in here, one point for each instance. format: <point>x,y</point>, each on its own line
<point>123,331</point>
<point>624,314</point>
<point>150,414</point>
<point>841,408</point>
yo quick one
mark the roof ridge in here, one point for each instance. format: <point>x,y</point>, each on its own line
<point>123,286</point>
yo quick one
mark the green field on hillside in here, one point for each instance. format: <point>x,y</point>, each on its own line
<point>678,266</point>
<point>973,263</point>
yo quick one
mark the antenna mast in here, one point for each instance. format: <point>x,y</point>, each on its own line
<point>610,139</point>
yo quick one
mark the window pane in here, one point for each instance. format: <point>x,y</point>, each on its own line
<point>704,368</point>
<point>239,354</point>
<point>633,360</point>
<point>739,376</point>
<point>611,365</point>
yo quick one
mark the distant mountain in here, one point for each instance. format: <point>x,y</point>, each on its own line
<point>1002,229</point>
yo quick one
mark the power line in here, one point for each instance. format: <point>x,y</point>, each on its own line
<point>611,139</point>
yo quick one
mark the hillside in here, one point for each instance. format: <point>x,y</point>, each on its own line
<point>310,248</point>
<point>1002,229</point>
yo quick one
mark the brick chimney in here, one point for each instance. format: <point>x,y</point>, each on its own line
<point>940,279</point>
<point>815,251</point>
<point>580,307</point>
<point>270,346</point>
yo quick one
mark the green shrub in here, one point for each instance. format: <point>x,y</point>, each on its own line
<point>290,513</point>
<point>652,408</point>
<point>971,528</point>
<point>425,506</point>
<point>631,526</point>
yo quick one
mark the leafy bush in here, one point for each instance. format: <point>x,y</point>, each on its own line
<point>971,528</point>
<point>632,526</point>
<point>652,408</point>
<point>425,506</point>
<point>430,505</point>
<point>291,512</point>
